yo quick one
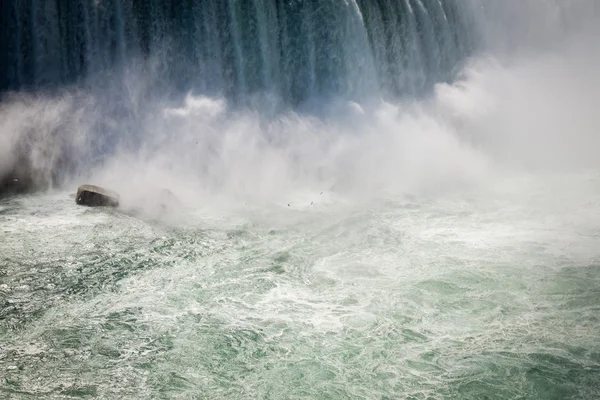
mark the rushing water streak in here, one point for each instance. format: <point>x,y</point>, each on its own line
<point>293,49</point>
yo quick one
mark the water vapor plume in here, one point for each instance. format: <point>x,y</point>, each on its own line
<point>525,100</point>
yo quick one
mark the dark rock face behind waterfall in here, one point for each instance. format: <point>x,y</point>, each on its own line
<point>293,49</point>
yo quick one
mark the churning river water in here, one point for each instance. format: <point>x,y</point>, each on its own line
<point>490,292</point>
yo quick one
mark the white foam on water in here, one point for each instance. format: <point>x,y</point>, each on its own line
<point>414,288</point>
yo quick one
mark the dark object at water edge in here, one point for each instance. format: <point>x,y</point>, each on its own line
<point>95,196</point>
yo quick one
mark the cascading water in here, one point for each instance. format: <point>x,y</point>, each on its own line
<point>293,49</point>
<point>380,199</point>
<point>128,58</point>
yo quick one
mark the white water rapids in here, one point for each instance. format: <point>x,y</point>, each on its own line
<point>447,247</point>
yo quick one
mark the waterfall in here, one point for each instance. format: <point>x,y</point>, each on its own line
<point>293,49</point>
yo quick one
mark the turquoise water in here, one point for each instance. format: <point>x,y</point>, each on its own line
<point>488,292</point>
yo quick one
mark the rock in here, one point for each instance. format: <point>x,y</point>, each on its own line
<point>167,199</point>
<point>21,177</point>
<point>167,202</point>
<point>33,164</point>
<point>95,196</point>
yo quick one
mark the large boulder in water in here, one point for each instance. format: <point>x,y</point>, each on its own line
<point>31,163</point>
<point>20,175</point>
<point>95,196</point>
